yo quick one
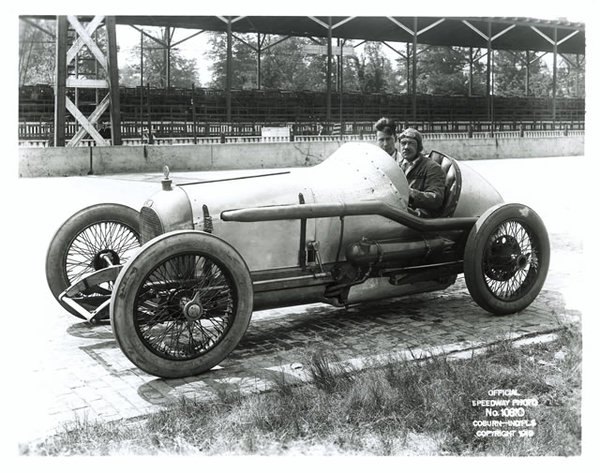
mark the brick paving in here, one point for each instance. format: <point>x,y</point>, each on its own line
<point>84,375</point>
<point>77,371</point>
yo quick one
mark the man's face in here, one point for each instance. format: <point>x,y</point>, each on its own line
<point>408,148</point>
<point>386,142</point>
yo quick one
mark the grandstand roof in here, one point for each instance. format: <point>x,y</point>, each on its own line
<point>508,33</point>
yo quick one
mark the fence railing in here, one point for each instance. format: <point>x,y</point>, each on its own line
<point>31,131</point>
<point>313,138</point>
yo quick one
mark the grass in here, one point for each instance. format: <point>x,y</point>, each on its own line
<point>404,408</point>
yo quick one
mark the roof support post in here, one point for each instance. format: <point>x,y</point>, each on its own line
<point>414,73</point>
<point>60,88</point>
<point>527,73</point>
<point>470,71</point>
<point>167,53</point>
<point>141,84</point>
<point>554,76</point>
<point>329,54</point>
<point>113,81</point>
<point>408,81</point>
<point>578,65</point>
<point>229,70</point>
<point>258,53</point>
<point>488,81</point>
<point>341,83</point>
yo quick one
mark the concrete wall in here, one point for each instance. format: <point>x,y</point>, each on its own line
<point>36,162</point>
<point>497,148</point>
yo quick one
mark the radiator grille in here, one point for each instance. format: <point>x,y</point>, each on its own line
<point>150,224</point>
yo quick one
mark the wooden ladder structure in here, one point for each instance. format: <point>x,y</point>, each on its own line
<point>65,55</point>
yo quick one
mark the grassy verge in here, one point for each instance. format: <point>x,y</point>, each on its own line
<point>404,408</point>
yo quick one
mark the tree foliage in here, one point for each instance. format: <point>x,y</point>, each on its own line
<point>375,74</point>
<point>442,71</point>
<point>284,65</point>
<point>182,71</point>
<point>287,66</point>
<point>36,53</point>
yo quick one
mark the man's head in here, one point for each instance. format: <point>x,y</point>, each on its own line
<point>411,144</point>
<point>386,135</point>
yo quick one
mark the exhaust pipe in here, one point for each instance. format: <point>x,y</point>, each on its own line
<point>375,207</point>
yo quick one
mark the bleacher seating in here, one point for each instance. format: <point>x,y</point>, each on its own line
<point>173,105</point>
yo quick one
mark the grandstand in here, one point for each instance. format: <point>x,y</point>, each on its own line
<point>214,113</point>
<point>172,112</point>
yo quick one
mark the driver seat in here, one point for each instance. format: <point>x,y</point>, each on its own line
<point>453,181</point>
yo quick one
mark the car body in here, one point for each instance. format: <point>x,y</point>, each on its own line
<point>339,232</point>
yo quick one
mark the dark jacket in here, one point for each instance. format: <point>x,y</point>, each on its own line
<point>427,182</point>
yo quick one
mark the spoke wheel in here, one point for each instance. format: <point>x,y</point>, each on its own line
<point>92,239</point>
<point>182,304</point>
<point>506,258</point>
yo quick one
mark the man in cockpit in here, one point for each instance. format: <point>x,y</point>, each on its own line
<point>426,178</point>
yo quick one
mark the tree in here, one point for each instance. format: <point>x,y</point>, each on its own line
<point>182,71</point>
<point>244,62</point>
<point>571,76</point>
<point>441,70</point>
<point>375,72</point>
<point>284,65</point>
<point>36,53</point>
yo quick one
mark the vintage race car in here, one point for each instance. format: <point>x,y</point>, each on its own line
<point>180,278</point>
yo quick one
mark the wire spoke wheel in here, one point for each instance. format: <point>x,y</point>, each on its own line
<point>97,245</point>
<point>185,306</point>
<point>181,304</point>
<point>511,261</point>
<point>92,239</point>
<point>506,258</point>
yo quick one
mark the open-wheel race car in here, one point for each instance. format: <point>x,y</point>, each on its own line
<point>180,279</point>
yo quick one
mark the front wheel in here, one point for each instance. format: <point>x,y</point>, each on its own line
<point>182,304</point>
<point>92,239</point>
<point>506,258</point>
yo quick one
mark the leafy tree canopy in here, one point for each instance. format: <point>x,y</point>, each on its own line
<point>182,71</point>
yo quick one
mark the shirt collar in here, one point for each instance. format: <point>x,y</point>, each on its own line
<point>412,163</point>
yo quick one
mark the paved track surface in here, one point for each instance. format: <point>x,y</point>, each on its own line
<point>65,369</point>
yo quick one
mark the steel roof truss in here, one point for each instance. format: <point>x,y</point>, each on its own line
<point>505,30</point>
<point>340,23</point>
<point>187,37</point>
<point>537,58</point>
<point>567,37</point>
<point>547,38</point>
<point>550,40</point>
<point>319,22</point>
<point>243,41</point>
<point>148,35</point>
<point>474,28</point>
<point>270,45</point>
<point>229,20</point>
<point>395,50</point>
<point>401,25</point>
<point>433,25</point>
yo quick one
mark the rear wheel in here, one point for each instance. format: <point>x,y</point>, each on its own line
<point>182,304</point>
<point>91,239</point>
<point>506,258</point>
